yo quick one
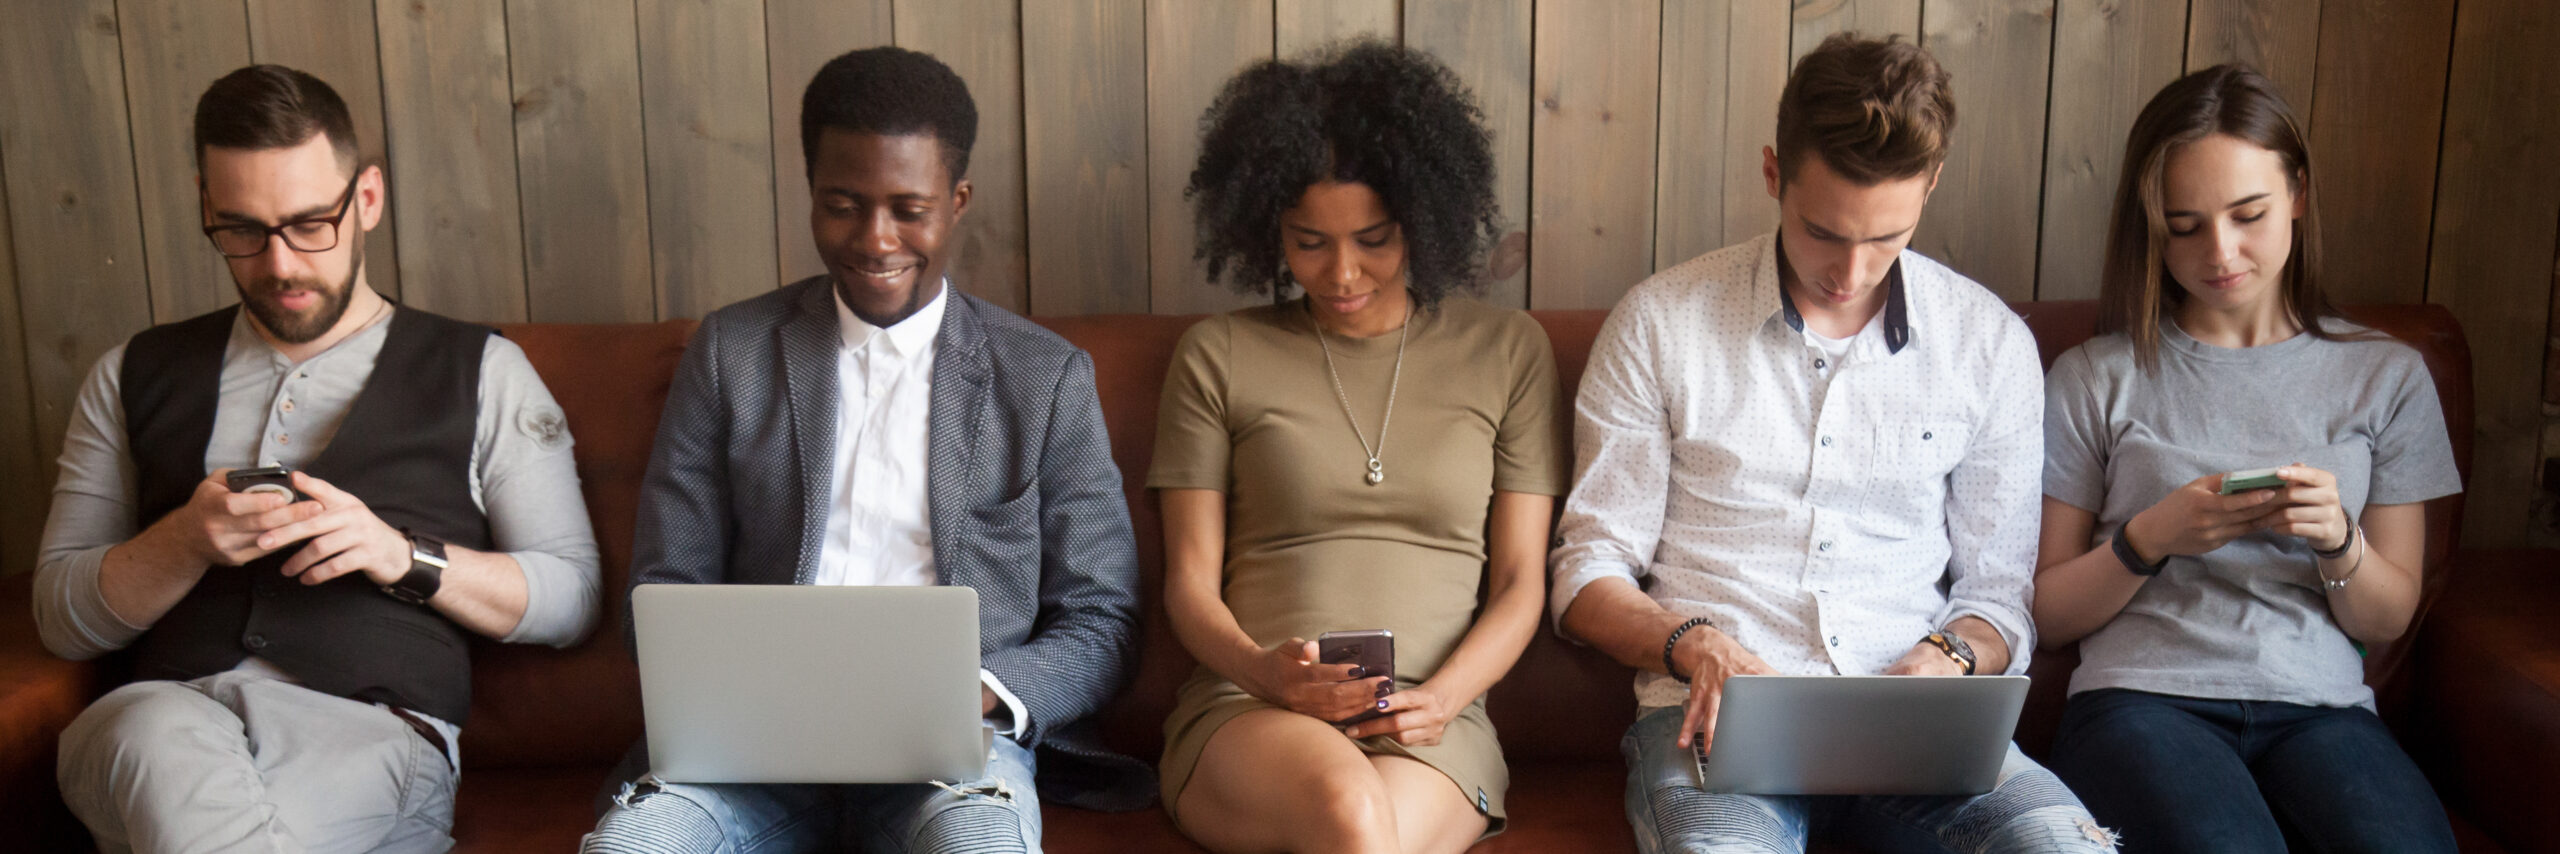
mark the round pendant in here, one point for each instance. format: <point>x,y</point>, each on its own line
<point>1377,473</point>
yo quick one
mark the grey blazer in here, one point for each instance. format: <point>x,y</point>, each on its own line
<point>1025,501</point>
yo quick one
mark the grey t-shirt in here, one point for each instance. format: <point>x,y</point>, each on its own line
<point>2250,620</point>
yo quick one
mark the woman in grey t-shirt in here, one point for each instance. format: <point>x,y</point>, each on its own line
<point>2220,702</point>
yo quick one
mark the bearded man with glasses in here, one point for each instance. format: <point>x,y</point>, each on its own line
<point>298,634</point>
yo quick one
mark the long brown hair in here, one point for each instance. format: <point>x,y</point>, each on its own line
<point>2135,289</point>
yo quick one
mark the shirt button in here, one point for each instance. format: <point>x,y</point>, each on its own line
<point>1926,435</point>
<point>1826,441</point>
<point>255,641</point>
<point>287,405</point>
<point>1823,546</point>
<point>1835,640</point>
<point>1819,364</point>
<point>284,438</point>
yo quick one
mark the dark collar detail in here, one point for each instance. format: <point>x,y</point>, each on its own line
<point>1897,312</point>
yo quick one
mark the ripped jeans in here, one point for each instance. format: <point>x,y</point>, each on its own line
<point>2028,811</point>
<point>999,812</point>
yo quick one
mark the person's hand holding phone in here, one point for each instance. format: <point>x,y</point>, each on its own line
<point>1415,716</point>
<point>2197,518</point>
<point>1708,656</point>
<point>218,526</point>
<point>2309,508</point>
<point>1290,676</point>
<point>345,536</point>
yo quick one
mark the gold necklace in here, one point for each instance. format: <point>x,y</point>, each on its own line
<point>1377,470</point>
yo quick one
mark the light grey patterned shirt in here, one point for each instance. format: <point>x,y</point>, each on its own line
<point>271,411</point>
<point>1825,514</point>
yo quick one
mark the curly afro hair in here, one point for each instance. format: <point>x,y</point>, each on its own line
<point>1389,117</point>
<point>890,91</point>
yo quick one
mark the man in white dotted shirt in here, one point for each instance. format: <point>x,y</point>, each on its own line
<point>1821,453</point>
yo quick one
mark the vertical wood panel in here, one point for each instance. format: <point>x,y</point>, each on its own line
<point>1298,26</point>
<point>1756,64</point>
<point>2497,204</point>
<point>2281,38</point>
<point>1591,228</point>
<point>710,140</point>
<point>1486,43</point>
<point>982,40</point>
<point>1193,46</point>
<point>583,178</point>
<point>26,481</point>
<point>453,181</point>
<point>2373,142</point>
<point>1085,172</point>
<point>1818,19</point>
<point>800,37</point>
<point>173,49</point>
<point>334,40</point>
<point>1982,219</point>
<point>67,153</point>
<point>1689,164</point>
<point>2109,58</point>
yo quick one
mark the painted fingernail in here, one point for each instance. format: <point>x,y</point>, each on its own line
<point>1382,705</point>
<point>1356,672</point>
<point>1385,688</point>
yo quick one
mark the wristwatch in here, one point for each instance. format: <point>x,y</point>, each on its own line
<point>1955,648</point>
<point>426,570</point>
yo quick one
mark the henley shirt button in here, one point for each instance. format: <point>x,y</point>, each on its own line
<point>286,406</point>
<point>1819,364</point>
<point>284,438</point>
<point>255,641</point>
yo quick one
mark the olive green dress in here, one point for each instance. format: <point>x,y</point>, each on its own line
<point>1249,410</point>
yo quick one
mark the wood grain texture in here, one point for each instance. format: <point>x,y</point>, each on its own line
<point>1298,26</point>
<point>2109,58</point>
<point>1982,218</point>
<point>1592,154</point>
<point>1193,46</point>
<point>1689,162</point>
<point>1486,43</point>
<point>1756,65</point>
<point>1085,164</point>
<point>709,124</point>
<point>26,482</point>
<point>2373,144</point>
<point>173,49</point>
<point>67,153</point>
<point>584,177</point>
<point>1818,19</point>
<point>982,40</point>
<point>444,78</point>
<point>2281,38</point>
<point>800,37</point>
<point>335,41</point>
<point>2497,210</point>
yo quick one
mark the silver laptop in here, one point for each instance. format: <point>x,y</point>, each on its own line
<point>761,683</point>
<point>1862,735</point>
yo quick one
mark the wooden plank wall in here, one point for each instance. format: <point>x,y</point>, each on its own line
<point>601,160</point>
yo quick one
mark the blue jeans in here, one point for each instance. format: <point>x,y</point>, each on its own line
<point>999,812</point>
<point>2183,774</point>
<point>2027,811</point>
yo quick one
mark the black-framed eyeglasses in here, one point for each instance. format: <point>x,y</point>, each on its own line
<point>310,234</point>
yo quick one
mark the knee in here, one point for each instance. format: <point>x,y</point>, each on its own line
<point>1690,821</point>
<point>645,822</point>
<point>135,723</point>
<point>2058,829</point>
<point>982,817</point>
<point>1351,805</point>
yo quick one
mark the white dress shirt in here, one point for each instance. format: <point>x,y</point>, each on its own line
<point>1826,512</point>
<point>879,526</point>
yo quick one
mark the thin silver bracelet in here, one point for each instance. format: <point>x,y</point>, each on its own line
<point>2340,583</point>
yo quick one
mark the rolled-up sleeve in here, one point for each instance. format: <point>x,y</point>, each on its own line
<point>1993,502</point>
<point>1622,463</point>
<point>537,515</point>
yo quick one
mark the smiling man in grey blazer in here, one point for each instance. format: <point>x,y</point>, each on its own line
<point>876,426</point>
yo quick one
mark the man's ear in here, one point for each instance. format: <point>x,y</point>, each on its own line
<point>370,197</point>
<point>960,192</point>
<point>1769,173</point>
<point>1934,172</point>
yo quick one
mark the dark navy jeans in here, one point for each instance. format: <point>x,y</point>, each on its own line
<point>2189,775</point>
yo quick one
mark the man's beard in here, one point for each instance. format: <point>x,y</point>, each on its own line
<point>292,328</point>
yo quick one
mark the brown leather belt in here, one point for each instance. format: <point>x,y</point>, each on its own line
<point>434,738</point>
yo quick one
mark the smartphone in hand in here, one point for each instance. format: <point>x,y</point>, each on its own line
<point>1374,650</point>
<point>2243,481</point>
<point>272,479</point>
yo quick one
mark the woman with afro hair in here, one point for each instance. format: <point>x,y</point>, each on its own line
<point>1305,489</point>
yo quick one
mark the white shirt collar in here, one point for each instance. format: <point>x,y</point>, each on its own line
<point>906,337</point>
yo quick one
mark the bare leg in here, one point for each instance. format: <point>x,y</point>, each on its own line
<point>1432,815</point>
<point>1276,780</point>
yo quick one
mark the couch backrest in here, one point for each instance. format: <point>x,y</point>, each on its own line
<point>545,706</point>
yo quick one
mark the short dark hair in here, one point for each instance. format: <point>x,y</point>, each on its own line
<point>1874,110</point>
<point>891,91</point>
<point>1364,112</point>
<point>263,107</point>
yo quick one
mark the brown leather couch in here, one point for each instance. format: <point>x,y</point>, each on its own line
<point>2477,695</point>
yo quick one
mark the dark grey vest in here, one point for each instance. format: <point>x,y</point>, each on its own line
<point>404,448</point>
